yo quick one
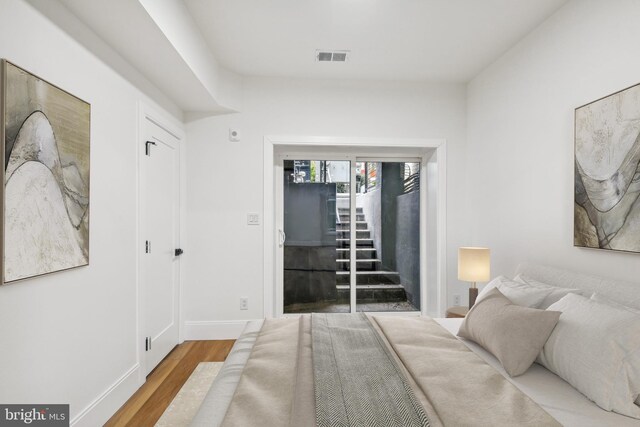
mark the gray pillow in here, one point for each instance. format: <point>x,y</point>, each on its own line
<point>512,333</point>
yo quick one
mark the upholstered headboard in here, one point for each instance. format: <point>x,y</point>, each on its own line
<point>627,293</point>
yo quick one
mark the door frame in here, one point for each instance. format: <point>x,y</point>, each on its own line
<point>432,153</point>
<point>147,113</point>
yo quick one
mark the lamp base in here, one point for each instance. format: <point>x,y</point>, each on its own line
<point>473,294</point>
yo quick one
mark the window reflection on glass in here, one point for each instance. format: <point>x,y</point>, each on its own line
<point>316,224</point>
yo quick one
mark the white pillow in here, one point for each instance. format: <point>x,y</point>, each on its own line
<point>518,293</point>
<point>595,347</point>
<point>604,300</point>
<point>635,361</point>
<point>556,293</point>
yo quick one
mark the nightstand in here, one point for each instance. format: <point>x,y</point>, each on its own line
<point>457,311</point>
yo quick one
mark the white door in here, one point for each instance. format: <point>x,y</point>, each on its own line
<point>160,181</point>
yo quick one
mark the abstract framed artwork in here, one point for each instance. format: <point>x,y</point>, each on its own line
<point>45,200</point>
<point>607,172</point>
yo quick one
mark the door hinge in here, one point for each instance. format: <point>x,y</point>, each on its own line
<point>147,343</point>
<point>178,252</point>
<point>147,247</point>
<point>147,149</point>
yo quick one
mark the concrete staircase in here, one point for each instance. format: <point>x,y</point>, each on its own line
<point>373,284</point>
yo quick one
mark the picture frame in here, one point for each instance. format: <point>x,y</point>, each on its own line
<point>45,196</point>
<point>607,172</point>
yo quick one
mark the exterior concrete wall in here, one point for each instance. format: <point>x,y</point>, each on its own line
<point>391,186</point>
<point>310,246</point>
<point>309,274</point>
<point>371,207</point>
<point>407,244</point>
<point>309,214</point>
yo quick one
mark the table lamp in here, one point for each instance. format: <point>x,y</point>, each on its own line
<point>474,266</point>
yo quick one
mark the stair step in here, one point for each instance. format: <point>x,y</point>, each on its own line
<point>373,293</point>
<point>364,277</point>
<point>358,273</point>
<point>364,234</point>
<point>360,242</point>
<point>360,225</point>
<point>357,249</point>
<point>361,253</point>
<point>363,264</point>
<point>365,253</point>
<point>379,286</point>
<point>345,217</point>
<point>347,210</point>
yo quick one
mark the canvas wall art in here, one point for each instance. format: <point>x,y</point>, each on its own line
<point>607,172</point>
<point>46,133</point>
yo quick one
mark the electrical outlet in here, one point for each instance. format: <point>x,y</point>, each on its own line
<point>244,303</point>
<point>253,218</point>
<point>456,300</point>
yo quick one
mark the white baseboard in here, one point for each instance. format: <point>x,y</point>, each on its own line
<point>213,329</point>
<point>104,406</point>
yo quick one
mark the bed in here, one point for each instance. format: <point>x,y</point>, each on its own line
<point>550,393</point>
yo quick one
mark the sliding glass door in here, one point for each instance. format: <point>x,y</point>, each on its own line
<point>316,197</point>
<point>388,236</point>
<point>350,236</point>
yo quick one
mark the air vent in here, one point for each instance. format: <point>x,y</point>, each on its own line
<point>324,56</point>
<point>331,56</point>
<point>339,56</point>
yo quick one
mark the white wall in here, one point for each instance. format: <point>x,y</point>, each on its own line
<point>520,135</point>
<point>70,337</point>
<point>225,179</point>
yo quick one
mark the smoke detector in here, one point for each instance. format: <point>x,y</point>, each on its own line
<point>331,56</point>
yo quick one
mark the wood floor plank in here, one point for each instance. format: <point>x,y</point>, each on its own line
<point>154,380</point>
<point>148,404</point>
<point>149,413</point>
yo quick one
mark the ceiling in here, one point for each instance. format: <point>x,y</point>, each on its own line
<point>436,40</point>
<point>192,54</point>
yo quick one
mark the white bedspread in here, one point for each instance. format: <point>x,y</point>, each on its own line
<point>553,394</point>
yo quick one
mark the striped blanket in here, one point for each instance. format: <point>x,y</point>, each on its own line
<point>357,381</point>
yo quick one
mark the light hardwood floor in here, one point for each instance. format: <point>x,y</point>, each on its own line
<point>146,406</point>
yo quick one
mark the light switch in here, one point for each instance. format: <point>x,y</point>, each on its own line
<point>253,219</point>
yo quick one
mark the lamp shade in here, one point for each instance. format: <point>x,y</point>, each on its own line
<point>474,264</point>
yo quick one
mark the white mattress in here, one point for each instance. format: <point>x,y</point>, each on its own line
<point>553,394</point>
<point>556,396</point>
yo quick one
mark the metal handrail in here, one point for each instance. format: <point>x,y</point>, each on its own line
<point>412,183</point>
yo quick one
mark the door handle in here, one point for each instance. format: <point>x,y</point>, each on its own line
<point>283,238</point>
<point>179,252</point>
<point>147,150</point>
